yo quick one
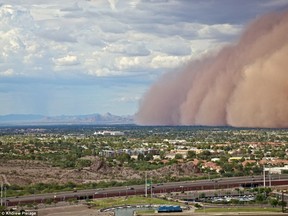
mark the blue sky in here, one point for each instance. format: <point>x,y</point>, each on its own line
<point>97,56</point>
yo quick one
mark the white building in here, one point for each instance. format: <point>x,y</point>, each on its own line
<point>109,133</point>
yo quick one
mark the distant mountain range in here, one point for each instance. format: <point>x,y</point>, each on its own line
<point>26,119</point>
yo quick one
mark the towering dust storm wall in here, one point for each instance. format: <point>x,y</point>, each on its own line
<point>244,84</point>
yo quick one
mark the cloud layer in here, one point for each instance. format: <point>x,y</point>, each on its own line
<point>97,38</point>
<point>244,84</point>
<point>86,56</point>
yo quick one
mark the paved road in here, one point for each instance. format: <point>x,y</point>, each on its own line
<point>220,183</point>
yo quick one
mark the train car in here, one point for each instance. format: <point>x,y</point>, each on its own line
<point>162,209</point>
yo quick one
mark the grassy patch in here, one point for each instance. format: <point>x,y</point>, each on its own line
<point>132,200</point>
<point>148,211</point>
<point>244,209</point>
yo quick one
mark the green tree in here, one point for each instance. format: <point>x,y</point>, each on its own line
<point>178,156</point>
<point>148,157</point>
<point>2,208</point>
<point>260,197</point>
<point>124,158</point>
<point>162,155</point>
<point>274,202</point>
<point>80,163</point>
<point>140,157</point>
<point>204,155</point>
<point>191,154</point>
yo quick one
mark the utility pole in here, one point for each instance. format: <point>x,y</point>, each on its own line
<point>5,198</point>
<point>264,180</point>
<point>1,194</point>
<point>269,178</point>
<point>151,186</point>
<point>146,184</point>
<point>282,199</point>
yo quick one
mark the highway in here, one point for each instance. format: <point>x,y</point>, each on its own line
<point>207,184</point>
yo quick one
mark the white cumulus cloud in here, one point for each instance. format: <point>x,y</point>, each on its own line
<point>66,60</point>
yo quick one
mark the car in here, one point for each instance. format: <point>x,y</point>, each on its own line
<point>131,188</point>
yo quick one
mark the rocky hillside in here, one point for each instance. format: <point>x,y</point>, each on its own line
<point>26,172</point>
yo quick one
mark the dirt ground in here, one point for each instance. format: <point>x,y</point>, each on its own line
<point>78,210</point>
<point>25,172</point>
